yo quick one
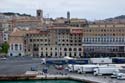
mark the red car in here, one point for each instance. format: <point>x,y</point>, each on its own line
<point>59,67</point>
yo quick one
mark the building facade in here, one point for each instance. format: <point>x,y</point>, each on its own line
<point>5,36</point>
<point>76,22</point>
<point>55,42</point>
<point>16,43</point>
<point>1,37</point>
<point>106,40</point>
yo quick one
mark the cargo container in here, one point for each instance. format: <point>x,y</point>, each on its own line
<point>101,60</point>
<point>86,68</point>
<point>73,68</point>
<point>118,60</point>
<point>72,61</point>
<point>57,62</point>
<point>105,70</point>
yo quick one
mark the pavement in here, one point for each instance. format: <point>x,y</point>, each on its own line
<point>99,79</point>
<point>19,66</point>
<point>15,65</point>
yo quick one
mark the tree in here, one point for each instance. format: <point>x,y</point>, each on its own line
<point>5,47</point>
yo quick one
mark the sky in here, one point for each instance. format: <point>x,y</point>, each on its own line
<point>89,9</point>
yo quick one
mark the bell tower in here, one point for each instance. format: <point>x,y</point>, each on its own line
<point>39,14</point>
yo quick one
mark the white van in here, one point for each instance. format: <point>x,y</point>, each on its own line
<point>43,61</point>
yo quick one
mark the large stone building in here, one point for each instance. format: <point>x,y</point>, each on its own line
<point>55,42</point>
<point>107,40</point>
<point>16,42</point>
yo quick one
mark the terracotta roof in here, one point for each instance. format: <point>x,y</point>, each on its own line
<point>65,28</point>
<point>33,31</point>
<point>18,32</point>
<point>37,31</point>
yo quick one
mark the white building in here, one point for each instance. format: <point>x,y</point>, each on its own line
<point>16,43</point>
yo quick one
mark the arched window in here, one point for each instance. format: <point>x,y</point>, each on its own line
<point>65,54</point>
<point>51,54</point>
<point>70,54</point>
<point>11,46</point>
<point>60,53</point>
<point>20,47</point>
<point>41,54</point>
<point>11,54</point>
<point>16,47</point>
<point>46,54</point>
<point>65,49</point>
<point>80,49</point>
<point>80,54</point>
<point>55,53</point>
<point>70,49</point>
<point>75,49</point>
<point>75,54</point>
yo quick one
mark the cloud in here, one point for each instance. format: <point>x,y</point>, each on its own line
<point>90,9</point>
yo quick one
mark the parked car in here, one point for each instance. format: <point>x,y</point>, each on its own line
<point>121,76</point>
<point>33,68</point>
<point>3,58</point>
<point>43,61</point>
<point>59,67</point>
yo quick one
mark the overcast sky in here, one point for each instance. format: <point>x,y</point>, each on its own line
<point>89,9</point>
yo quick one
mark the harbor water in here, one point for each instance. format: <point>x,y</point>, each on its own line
<point>43,81</point>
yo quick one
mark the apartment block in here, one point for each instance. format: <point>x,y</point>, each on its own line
<point>104,40</point>
<point>55,42</point>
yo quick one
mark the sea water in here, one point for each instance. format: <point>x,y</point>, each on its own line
<point>43,81</point>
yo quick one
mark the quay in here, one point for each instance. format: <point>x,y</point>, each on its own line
<point>76,77</point>
<point>17,68</point>
<point>44,77</point>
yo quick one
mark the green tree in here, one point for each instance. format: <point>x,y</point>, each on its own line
<point>5,47</point>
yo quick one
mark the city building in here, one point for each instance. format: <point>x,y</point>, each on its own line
<point>5,36</point>
<point>16,42</point>
<point>16,20</point>
<point>60,22</point>
<point>104,40</point>
<point>1,37</point>
<point>76,22</point>
<point>39,14</point>
<point>55,42</point>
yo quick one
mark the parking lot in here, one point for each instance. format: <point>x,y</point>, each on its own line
<point>19,65</point>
